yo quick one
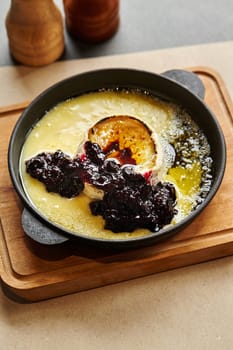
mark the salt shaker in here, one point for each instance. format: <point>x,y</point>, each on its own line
<point>35,31</point>
<point>92,21</point>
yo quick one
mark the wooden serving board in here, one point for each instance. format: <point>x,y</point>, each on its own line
<point>33,272</point>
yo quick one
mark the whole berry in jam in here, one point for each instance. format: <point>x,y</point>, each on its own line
<point>94,153</point>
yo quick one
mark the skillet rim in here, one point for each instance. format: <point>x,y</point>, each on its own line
<point>118,243</point>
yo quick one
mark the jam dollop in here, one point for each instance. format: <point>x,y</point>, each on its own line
<point>136,205</point>
<point>58,172</point>
<point>129,200</point>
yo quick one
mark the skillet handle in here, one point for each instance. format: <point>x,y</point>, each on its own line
<point>40,232</point>
<point>187,79</point>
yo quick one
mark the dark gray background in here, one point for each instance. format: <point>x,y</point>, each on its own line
<point>148,25</point>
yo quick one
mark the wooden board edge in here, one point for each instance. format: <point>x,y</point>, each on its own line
<point>196,69</point>
<point>213,74</point>
<point>14,107</point>
<point>22,287</point>
<point>45,292</point>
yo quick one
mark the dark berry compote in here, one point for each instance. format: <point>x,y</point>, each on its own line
<point>129,201</point>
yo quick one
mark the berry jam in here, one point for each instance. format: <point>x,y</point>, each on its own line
<point>129,200</point>
<point>136,205</point>
<point>58,172</point>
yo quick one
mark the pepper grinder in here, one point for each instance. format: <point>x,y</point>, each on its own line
<point>92,21</point>
<point>35,31</point>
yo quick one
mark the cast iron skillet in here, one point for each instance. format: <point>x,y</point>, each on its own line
<point>182,87</point>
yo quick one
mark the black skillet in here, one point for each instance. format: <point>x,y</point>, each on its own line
<point>179,86</point>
